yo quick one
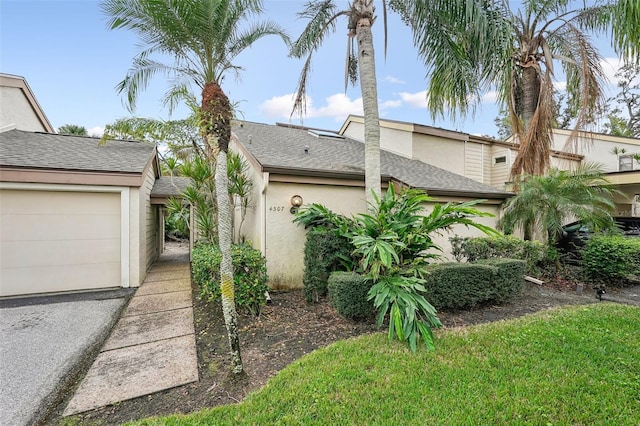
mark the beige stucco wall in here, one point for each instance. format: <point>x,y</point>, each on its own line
<point>16,110</point>
<point>598,148</point>
<point>441,152</point>
<point>285,240</point>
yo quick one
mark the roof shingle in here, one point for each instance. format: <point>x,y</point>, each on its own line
<point>297,150</point>
<point>35,150</point>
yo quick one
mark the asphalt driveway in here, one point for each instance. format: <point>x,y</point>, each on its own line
<point>44,345</point>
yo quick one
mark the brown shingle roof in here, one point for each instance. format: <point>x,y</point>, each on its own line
<point>34,150</point>
<point>295,149</point>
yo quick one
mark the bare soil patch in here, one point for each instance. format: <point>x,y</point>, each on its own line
<point>287,329</point>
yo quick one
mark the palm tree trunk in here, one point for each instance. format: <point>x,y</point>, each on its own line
<point>368,86</point>
<point>225,235</point>
<point>216,124</point>
<point>531,91</point>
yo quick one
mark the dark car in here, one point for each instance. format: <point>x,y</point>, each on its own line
<point>575,234</point>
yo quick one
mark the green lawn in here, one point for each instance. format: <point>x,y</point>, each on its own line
<point>571,366</point>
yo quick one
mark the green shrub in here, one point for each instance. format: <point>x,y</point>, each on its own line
<point>473,249</point>
<point>348,295</point>
<point>323,254</point>
<point>612,259</point>
<point>459,285</point>
<point>249,275</point>
<point>508,278</point>
<point>464,285</point>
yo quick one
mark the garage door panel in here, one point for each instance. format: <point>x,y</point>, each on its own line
<point>52,241</point>
<point>59,227</point>
<point>16,281</point>
<point>59,203</point>
<point>19,254</point>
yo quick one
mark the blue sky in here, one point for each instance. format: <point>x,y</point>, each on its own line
<point>72,63</point>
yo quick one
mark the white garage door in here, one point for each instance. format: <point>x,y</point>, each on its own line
<point>58,241</point>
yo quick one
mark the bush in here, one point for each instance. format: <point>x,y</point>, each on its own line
<point>508,278</point>
<point>458,285</point>
<point>473,249</point>
<point>348,295</point>
<point>249,275</point>
<point>612,259</point>
<point>323,254</point>
<point>464,285</point>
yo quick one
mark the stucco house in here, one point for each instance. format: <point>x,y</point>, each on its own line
<point>328,168</point>
<point>489,161</point>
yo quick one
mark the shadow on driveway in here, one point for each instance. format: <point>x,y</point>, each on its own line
<point>45,343</point>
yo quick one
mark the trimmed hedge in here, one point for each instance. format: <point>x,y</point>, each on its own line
<point>249,275</point>
<point>508,278</point>
<point>612,259</point>
<point>348,293</point>
<point>473,249</point>
<point>457,285</point>
<point>323,252</point>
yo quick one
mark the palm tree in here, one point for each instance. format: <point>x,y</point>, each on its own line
<point>73,129</point>
<point>471,46</point>
<point>545,203</point>
<point>360,16</point>
<point>202,37</point>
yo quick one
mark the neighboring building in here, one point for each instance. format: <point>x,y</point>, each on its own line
<point>489,161</point>
<point>19,108</point>
<point>74,214</point>
<point>328,168</point>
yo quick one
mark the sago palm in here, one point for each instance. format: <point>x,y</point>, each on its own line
<point>360,16</point>
<point>544,204</point>
<point>200,39</point>
<point>472,46</point>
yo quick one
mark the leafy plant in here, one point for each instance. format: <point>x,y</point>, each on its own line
<point>410,315</point>
<point>612,259</point>
<point>249,275</point>
<point>394,244</point>
<point>324,252</point>
<point>503,246</point>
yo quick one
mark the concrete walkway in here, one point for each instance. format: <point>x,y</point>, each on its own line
<point>152,347</point>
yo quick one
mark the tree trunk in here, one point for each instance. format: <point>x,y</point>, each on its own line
<point>530,94</point>
<point>368,86</point>
<point>216,127</point>
<point>534,139</point>
<point>226,264</point>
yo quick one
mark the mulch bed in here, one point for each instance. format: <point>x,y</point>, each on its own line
<point>287,329</point>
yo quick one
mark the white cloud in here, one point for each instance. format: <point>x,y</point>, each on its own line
<point>96,131</point>
<point>390,104</point>
<point>279,106</point>
<point>337,106</point>
<point>393,80</point>
<point>417,100</point>
<point>490,96</point>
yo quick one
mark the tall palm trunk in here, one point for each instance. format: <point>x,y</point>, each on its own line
<point>216,125</point>
<point>535,141</point>
<point>369,88</point>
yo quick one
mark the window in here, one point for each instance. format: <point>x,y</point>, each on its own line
<point>500,160</point>
<point>625,163</point>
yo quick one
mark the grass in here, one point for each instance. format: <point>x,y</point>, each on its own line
<point>577,366</point>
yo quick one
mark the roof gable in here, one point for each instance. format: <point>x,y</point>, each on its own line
<point>18,82</point>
